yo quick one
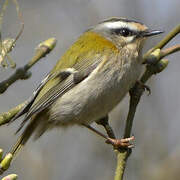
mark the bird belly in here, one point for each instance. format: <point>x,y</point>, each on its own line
<point>95,96</point>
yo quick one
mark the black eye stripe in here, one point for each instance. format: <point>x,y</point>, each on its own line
<point>124,32</point>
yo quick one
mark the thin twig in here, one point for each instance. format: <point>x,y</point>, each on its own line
<point>22,73</point>
<point>20,18</point>
<point>43,48</point>
<point>11,42</point>
<point>4,7</point>
<point>7,47</point>
<point>170,50</point>
<point>164,41</point>
<point>2,48</point>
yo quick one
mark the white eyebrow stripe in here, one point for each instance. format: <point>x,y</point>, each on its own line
<point>118,24</point>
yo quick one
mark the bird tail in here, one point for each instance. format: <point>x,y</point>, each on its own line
<point>24,136</point>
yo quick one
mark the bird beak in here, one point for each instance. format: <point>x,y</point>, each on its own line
<point>149,33</point>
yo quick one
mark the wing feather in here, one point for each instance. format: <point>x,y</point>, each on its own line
<point>61,87</point>
<point>79,57</point>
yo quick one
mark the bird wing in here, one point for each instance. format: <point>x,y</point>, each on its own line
<point>30,101</point>
<point>74,66</point>
<point>61,86</point>
<point>64,81</point>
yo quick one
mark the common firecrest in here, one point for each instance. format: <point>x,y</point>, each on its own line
<point>89,80</point>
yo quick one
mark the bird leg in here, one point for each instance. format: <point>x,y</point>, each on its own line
<point>117,143</point>
<point>104,122</point>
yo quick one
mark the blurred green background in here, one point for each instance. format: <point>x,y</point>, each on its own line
<point>76,153</point>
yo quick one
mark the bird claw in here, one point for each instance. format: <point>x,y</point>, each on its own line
<point>145,87</point>
<point>121,143</point>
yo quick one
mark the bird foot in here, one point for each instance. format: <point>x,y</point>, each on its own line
<point>144,87</point>
<point>121,143</point>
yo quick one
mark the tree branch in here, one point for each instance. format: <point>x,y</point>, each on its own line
<point>43,49</point>
<point>22,73</point>
<point>154,55</point>
<point>164,41</point>
<point>169,51</point>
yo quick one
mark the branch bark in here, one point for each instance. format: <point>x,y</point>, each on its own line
<point>156,65</point>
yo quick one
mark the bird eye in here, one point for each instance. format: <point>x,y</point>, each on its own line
<point>124,32</point>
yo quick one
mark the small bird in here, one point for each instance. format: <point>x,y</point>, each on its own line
<point>89,80</point>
